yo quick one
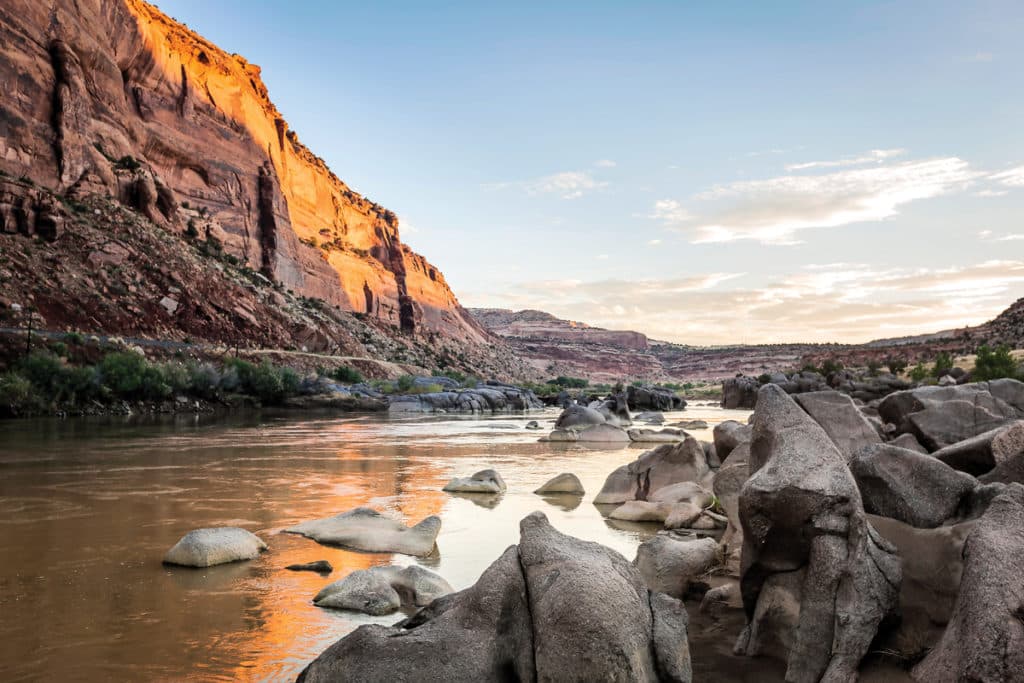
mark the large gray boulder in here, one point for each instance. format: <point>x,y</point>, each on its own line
<point>599,433</point>
<point>213,546</point>
<point>844,423</point>
<point>984,640</point>
<point>983,453</point>
<point>668,563</point>
<point>552,608</point>
<point>383,590</point>
<point>728,482</point>
<point>368,530</point>
<point>484,481</point>
<point>909,486</point>
<point>807,542</point>
<point>729,434</point>
<point>662,466</point>
<point>941,416</point>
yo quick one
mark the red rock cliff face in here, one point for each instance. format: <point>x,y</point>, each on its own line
<point>90,87</point>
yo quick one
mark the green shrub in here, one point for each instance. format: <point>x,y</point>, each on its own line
<point>831,366</point>
<point>873,367</point>
<point>44,370</point>
<point>919,372</point>
<point>205,380</point>
<point>405,383</point>
<point>943,364</point>
<point>896,365</point>
<point>74,339</point>
<point>994,364</point>
<point>763,378</point>
<point>347,375</point>
<point>17,395</point>
<point>426,389</point>
<point>127,163</point>
<point>82,384</point>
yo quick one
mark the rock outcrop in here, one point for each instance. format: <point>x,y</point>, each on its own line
<point>552,608</point>
<point>663,466</point>
<point>817,579</point>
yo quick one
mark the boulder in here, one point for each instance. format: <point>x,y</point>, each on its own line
<point>562,483</point>
<point>941,416</point>
<point>668,563</point>
<point>660,436</point>
<point>578,416</point>
<point>909,442</point>
<point>383,590</point>
<point>984,640</point>
<point>533,424</point>
<point>808,545</point>
<point>320,567</point>
<point>492,397</point>
<point>650,417</point>
<point>552,608</point>
<point>740,392</point>
<point>370,531</point>
<point>844,423</point>
<point>213,546</point>
<point>909,486</point>
<point>664,465</point>
<point>614,409</point>
<point>692,425</point>
<point>653,398</point>
<point>484,481</point>
<point>599,433</point>
<point>729,434</point>
<point>980,454</point>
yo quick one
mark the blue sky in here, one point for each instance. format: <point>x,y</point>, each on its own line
<point>705,173</point>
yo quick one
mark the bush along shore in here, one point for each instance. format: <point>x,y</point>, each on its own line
<point>77,375</point>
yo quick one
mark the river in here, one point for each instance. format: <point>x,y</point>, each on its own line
<point>88,507</point>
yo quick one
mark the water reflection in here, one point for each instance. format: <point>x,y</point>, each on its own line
<point>89,507</point>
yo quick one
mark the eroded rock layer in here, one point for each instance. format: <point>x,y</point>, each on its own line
<point>114,97</point>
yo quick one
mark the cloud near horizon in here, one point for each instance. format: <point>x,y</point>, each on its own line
<point>775,210</point>
<point>834,302</point>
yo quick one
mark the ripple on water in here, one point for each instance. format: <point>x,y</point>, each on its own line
<point>28,510</point>
<point>112,489</point>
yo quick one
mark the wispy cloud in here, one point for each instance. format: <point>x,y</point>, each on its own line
<point>1014,177</point>
<point>827,302</point>
<point>874,156</point>
<point>567,184</point>
<point>605,163</point>
<point>670,212</point>
<point>775,210</point>
<point>990,236</point>
<point>653,243</point>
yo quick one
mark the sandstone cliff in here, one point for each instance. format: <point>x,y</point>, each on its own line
<point>115,98</point>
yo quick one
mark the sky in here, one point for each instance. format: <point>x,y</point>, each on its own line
<point>705,173</point>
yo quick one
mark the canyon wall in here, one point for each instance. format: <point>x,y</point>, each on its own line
<point>114,97</point>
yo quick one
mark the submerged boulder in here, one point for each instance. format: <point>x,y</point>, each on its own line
<point>213,546</point>
<point>817,579</point>
<point>984,640</point>
<point>552,608</point>
<point>599,433</point>
<point>319,566</point>
<point>662,466</point>
<point>383,590</point>
<point>368,530</point>
<point>562,483</point>
<point>484,481</point>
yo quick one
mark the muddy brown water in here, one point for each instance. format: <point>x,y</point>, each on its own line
<point>88,507</point>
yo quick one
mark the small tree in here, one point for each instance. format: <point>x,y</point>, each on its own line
<point>896,365</point>
<point>873,366</point>
<point>943,364</point>
<point>994,364</point>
